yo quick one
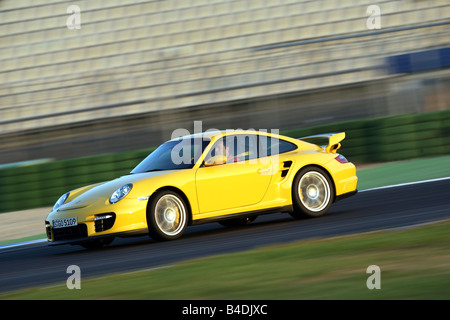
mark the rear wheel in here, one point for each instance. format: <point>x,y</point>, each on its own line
<point>312,193</point>
<point>167,216</point>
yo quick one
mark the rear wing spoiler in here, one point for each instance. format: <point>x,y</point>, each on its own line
<point>333,140</point>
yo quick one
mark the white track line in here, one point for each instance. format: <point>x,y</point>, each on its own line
<point>12,245</point>
<point>405,184</point>
<point>371,189</point>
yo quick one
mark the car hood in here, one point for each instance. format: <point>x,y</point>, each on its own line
<point>103,191</point>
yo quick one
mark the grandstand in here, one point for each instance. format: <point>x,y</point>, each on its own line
<point>137,69</point>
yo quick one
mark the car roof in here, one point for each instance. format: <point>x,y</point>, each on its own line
<point>217,134</point>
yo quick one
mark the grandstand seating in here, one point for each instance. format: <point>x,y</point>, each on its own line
<point>137,56</point>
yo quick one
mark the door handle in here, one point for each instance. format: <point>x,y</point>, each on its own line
<point>266,170</point>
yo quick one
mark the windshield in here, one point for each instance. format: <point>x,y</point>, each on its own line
<point>173,155</point>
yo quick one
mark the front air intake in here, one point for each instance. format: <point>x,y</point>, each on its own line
<point>104,221</point>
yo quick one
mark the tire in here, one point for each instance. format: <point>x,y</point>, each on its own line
<point>167,216</point>
<point>312,193</point>
<point>242,221</point>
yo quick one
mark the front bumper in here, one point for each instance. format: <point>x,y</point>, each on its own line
<point>80,238</point>
<point>96,223</point>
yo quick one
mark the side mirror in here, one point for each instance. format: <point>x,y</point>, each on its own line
<point>213,161</point>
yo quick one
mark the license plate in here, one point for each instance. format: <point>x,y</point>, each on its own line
<point>64,223</point>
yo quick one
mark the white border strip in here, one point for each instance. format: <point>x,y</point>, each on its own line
<point>405,184</point>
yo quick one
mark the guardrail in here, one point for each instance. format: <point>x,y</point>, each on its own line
<point>371,140</point>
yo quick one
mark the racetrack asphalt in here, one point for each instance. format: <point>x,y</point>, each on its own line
<point>402,206</point>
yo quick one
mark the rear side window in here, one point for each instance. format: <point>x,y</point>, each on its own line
<point>271,146</point>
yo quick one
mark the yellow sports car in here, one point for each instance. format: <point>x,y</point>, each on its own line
<point>229,177</point>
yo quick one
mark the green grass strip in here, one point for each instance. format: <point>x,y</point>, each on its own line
<point>30,238</point>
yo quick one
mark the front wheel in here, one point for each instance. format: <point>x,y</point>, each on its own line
<point>312,193</point>
<point>167,216</point>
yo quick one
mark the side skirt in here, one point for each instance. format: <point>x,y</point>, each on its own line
<point>243,214</point>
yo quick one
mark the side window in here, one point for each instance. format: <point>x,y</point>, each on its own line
<point>241,147</point>
<point>225,147</point>
<point>247,147</point>
<point>236,148</point>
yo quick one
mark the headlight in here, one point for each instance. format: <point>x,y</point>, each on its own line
<point>120,193</point>
<point>61,201</point>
